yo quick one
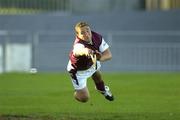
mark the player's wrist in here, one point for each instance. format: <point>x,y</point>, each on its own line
<point>98,55</point>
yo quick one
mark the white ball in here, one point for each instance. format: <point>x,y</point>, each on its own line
<point>33,70</point>
<point>81,51</point>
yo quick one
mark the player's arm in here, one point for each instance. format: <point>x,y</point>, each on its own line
<point>104,56</point>
<point>104,52</point>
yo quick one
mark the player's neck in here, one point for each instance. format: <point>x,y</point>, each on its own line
<point>90,41</point>
<point>87,41</point>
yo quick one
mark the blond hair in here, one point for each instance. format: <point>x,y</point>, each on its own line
<point>80,25</point>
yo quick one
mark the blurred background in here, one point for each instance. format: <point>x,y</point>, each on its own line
<point>144,35</point>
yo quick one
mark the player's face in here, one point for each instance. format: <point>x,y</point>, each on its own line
<point>84,33</point>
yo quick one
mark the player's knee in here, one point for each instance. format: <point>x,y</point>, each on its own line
<point>82,98</point>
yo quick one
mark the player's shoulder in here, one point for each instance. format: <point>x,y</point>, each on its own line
<point>95,34</point>
<point>97,38</point>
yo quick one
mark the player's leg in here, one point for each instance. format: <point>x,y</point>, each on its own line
<point>82,95</point>
<point>98,81</point>
<point>79,83</point>
<point>81,91</point>
<point>101,87</point>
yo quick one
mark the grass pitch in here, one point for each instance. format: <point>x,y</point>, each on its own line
<point>45,96</point>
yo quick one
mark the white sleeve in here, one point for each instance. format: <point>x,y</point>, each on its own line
<point>103,46</point>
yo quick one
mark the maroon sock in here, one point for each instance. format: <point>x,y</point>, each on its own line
<point>100,86</point>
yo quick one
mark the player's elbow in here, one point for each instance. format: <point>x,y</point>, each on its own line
<point>106,55</point>
<point>110,56</point>
<point>105,58</point>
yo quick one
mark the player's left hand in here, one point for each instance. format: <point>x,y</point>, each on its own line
<point>98,55</point>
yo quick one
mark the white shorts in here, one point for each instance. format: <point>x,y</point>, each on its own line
<point>83,75</point>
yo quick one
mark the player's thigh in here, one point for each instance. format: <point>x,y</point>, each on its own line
<point>79,82</point>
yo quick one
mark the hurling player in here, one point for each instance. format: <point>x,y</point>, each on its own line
<point>89,49</point>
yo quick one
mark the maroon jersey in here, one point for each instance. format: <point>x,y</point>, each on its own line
<point>85,62</point>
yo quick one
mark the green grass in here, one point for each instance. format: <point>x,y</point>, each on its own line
<point>45,96</point>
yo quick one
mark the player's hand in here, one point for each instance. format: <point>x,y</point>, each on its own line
<point>98,55</point>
